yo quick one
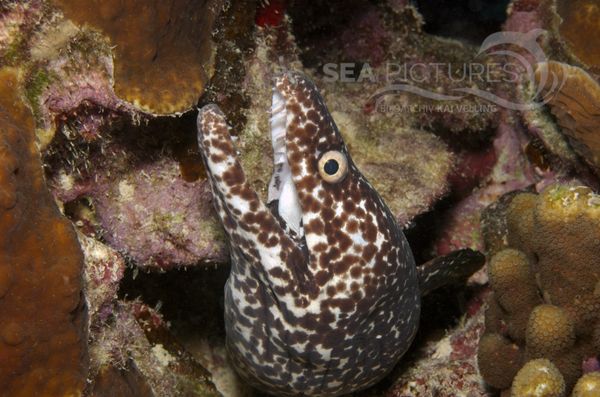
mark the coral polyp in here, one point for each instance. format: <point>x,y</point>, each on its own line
<point>545,296</point>
<point>538,378</point>
<point>588,385</point>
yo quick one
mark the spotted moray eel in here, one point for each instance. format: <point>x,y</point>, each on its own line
<point>323,297</point>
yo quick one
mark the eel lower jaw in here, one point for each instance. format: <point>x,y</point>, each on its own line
<point>281,187</point>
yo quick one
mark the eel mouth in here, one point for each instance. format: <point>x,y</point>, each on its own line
<point>282,194</point>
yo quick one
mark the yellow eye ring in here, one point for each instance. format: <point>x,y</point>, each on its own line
<point>333,166</point>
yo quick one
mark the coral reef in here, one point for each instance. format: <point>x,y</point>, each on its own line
<point>103,79</point>
<point>576,107</point>
<point>164,209</point>
<point>165,68</point>
<point>43,333</point>
<point>141,195</point>
<point>67,68</point>
<point>132,349</point>
<point>135,337</point>
<point>92,140</point>
<point>540,18</point>
<point>545,300</point>
<point>579,23</point>
<point>567,26</point>
<point>529,148</point>
<point>511,170</point>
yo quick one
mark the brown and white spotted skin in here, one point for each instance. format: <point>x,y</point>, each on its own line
<point>323,296</point>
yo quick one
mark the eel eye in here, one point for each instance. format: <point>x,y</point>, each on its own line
<point>333,166</point>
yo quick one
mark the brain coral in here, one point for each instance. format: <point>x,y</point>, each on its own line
<point>546,287</point>
<point>42,316</point>
<point>161,48</point>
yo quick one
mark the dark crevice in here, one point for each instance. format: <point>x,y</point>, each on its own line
<point>190,299</point>
<point>318,26</point>
<point>469,20</point>
<point>79,148</point>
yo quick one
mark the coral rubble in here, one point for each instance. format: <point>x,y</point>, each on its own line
<point>43,329</point>
<point>545,289</point>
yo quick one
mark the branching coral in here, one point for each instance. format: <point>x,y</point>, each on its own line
<point>43,350</point>
<point>550,332</point>
<point>499,360</point>
<point>546,296</point>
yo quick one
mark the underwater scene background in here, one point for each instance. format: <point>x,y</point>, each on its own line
<point>456,233</point>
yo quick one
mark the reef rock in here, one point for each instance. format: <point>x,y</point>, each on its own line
<point>135,337</point>
<point>447,366</point>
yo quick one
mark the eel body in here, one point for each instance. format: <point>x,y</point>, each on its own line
<point>323,297</point>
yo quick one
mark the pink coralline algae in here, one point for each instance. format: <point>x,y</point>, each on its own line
<point>144,208</point>
<point>447,367</point>
<point>511,171</point>
<point>156,217</point>
<point>367,40</point>
<point>104,269</point>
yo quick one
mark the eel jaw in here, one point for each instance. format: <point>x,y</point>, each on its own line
<point>281,186</point>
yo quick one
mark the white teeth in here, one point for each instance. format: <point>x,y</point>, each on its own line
<point>281,186</point>
<point>281,169</point>
<point>289,207</point>
<point>279,158</point>
<point>277,109</point>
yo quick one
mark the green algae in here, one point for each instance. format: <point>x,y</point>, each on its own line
<point>36,83</point>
